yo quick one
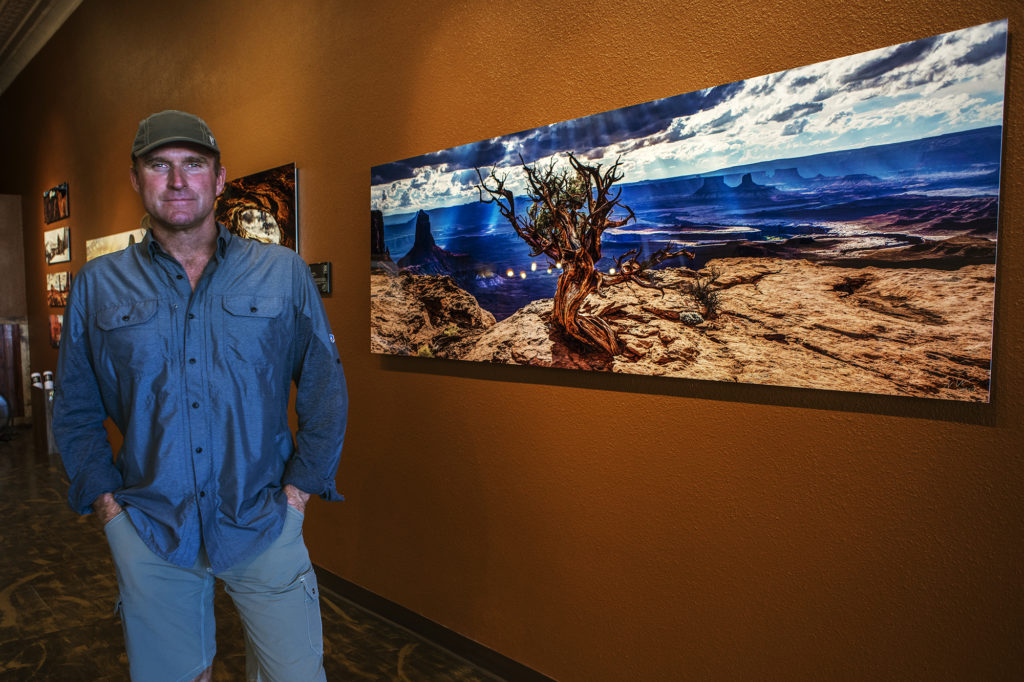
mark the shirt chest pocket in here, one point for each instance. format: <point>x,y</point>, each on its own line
<point>255,329</point>
<point>133,334</point>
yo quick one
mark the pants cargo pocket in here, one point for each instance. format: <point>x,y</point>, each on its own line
<point>314,625</point>
<point>119,614</point>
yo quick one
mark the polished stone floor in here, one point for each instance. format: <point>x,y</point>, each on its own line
<point>57,595</point>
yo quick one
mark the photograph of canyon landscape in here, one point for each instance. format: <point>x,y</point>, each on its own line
<point>832,226</point>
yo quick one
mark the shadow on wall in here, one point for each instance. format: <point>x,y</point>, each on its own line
<point>980,414</point>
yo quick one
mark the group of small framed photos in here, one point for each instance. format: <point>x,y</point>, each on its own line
<point>57,247</point>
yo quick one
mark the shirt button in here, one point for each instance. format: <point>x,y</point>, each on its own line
<point>191,316</point>
<point>199,449</point>
<point>191,361</point>
<point>195,404</point>
<point>202,493</point>
<point>181,276</point>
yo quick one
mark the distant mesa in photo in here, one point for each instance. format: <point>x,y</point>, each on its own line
<point>380,256</point>
<point>714,189</point>
<point>426,257</point>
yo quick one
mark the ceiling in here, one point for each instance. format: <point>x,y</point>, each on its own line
<point>25,26</point>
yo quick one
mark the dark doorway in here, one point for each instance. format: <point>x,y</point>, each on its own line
<point>10,369</point>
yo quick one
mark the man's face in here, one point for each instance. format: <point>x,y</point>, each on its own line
<point>178,184</point>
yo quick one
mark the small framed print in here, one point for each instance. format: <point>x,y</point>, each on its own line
<point>58,245</point>
<point>55,203</point>
<point>57,286</point>
<point>56,326</point>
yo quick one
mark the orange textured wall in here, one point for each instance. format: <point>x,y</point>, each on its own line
<point>592,527</point>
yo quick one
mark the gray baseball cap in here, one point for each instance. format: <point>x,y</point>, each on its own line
<point>172,126</point>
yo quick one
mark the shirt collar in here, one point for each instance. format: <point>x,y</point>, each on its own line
<point>151,247</point>
<point>223,239</point>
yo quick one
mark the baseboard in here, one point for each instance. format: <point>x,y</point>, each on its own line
<point>479,655</point>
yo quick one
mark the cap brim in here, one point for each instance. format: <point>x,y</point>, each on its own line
<point>171,140</point>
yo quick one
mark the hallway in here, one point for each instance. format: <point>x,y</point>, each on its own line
<point>57,595</point>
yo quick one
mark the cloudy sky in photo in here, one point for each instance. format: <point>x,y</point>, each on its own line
<point>933,86</point>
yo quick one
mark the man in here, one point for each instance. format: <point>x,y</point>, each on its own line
<point>189,341</point>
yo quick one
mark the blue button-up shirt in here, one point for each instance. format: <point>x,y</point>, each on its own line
<point>198,383</point>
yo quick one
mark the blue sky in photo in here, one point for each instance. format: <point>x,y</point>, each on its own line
<point>942,84</point>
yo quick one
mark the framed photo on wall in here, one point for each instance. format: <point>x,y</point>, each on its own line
<point>56,204</point>
<point>57,286</point>
<point>112,242</point>
<point>56,326</point>
<point>832,226</point>
<point>263,206</point>
<point>57,245</point>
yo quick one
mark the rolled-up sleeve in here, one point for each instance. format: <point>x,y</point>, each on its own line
<point>78,411</point>
<point>321,401</point>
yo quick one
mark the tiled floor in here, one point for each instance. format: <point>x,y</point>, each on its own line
<point>57,594</point>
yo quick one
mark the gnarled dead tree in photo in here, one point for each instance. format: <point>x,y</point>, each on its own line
<point>569,212</point>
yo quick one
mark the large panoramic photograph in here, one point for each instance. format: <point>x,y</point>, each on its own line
<point>833,226</point>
